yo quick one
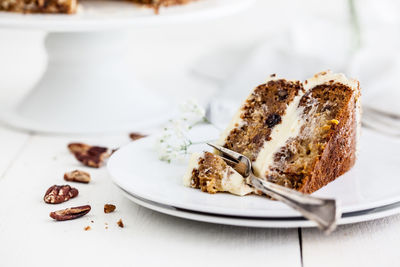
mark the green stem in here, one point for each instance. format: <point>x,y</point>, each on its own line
<point>355,26</point>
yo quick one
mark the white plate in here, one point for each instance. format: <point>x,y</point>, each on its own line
<point>348,218</point>
<point>373,182</point>
<point>111,14</point>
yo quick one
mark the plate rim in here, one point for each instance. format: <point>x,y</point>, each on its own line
<point>369,215</point>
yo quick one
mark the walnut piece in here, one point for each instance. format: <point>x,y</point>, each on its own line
<point>120,223</point>
<point>77,176</point>
<point>108,208</point>
<point>136,136</point>
<point>70,213</point>
<point>91,156</point>
<point>60,193</point>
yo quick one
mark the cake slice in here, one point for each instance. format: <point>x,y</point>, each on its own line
<point>211,174</point>
<point>39,6</point>
<point>298,135</point>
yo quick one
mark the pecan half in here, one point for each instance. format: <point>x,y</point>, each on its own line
<point>91,156</point>
<point>77,176</point>
<point>136,136</point>
<point>70,213</point>
<point>108,208</point>
<point>60,193</point>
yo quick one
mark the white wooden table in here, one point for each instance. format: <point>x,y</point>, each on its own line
<point>30,163</point>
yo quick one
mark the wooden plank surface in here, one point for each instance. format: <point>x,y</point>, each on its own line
<point>30,237</point>
<point>374,243</point>
<point>11,143</point>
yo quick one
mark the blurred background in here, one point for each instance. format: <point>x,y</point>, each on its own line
<point>230,55</point>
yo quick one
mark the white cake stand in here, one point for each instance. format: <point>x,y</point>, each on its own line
<point>87,88</point>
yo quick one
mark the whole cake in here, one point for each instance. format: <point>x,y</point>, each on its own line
<point>298,135</point>
<point>70,6</point>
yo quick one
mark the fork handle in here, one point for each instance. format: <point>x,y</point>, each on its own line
<point>322,211</point>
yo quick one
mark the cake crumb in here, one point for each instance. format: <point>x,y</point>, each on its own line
<point>120,223</point>
<point>108,208</point>
<point>136,136</point>
<point>87,228</point>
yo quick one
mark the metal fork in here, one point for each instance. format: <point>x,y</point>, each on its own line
<point>381,121</point>
<point>324,212</point>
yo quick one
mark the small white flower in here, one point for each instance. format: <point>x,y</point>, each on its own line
<point>192,113</point>
<point>173,143</point>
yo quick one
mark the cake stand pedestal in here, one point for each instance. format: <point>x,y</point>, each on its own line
<point>87,87</point>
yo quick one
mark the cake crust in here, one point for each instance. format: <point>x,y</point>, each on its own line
<point>339,154</point>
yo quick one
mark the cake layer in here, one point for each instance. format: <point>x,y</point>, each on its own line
<point>39,6</point>
<point>211,174</point>
<point>264,119</point>
<point>325,147</point>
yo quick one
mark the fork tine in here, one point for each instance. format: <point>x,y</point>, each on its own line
<point>227,152</point>
<point>229,161</point>
<point>240,167</point>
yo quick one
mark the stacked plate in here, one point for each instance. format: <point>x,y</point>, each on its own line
<point>369,191</point>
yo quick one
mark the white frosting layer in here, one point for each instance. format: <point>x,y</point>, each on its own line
<point>231,182</point>
<point>326,77</point>
<point>234,183</point>
<point>193,164</point>
<point>288,128</point>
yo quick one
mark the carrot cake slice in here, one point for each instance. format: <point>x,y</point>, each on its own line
<point>299,135</point>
